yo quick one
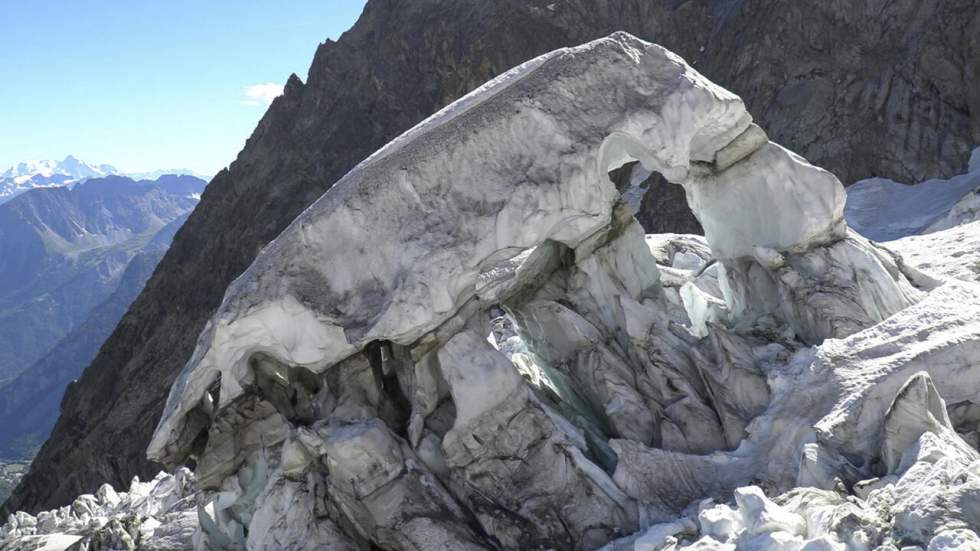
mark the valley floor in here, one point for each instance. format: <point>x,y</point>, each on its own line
<point>11,473</point>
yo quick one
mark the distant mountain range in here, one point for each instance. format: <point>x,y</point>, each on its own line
<point>77,243</point>
<point>67,172</point>
<point>29,402</point>
<point>72,258</point>
<point>63,250</point>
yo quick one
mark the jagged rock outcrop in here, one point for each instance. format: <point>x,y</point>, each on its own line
<point>825,79</point>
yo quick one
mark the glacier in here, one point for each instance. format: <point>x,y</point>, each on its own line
<point>884,210</point>
<point>469,343</point>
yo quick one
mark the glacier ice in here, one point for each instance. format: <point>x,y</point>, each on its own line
<point>948,254</point>
<point>469,343</point>
<point>425,251</point>
<point>362,328</point>
<point>160,515</point>
<point>885,210</point>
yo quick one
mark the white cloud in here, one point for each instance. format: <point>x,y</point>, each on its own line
<point>261,94</point>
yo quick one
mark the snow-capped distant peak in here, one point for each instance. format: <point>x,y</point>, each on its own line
<point>69,171</point>
<point>70,167</point>
<point>49,173</point>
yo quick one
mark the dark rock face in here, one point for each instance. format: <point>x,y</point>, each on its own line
<point>861,87</point>
<point>664,209</point>
<point>663,206</point>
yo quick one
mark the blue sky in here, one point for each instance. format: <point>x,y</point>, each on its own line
<point>151,84</point>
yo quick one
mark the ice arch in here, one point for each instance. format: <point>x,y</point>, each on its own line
<point>434,219</point>
<point>503,198</point>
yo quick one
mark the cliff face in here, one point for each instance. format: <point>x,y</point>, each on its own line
<point>862,87</point>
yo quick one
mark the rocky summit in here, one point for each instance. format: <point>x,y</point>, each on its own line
<point>469,342</point>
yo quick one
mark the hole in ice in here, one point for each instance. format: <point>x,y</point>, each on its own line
<point>657,204</point>
<point>632,182</point>
<point>965,417</point>
<point>390,361</point>
<point>293,390</point>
